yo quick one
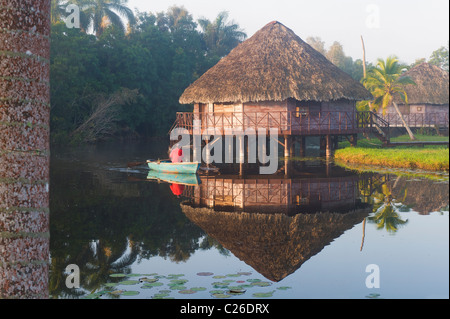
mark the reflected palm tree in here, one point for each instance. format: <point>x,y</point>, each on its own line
<point>386,211</point>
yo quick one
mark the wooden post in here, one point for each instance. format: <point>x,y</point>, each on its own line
<point>302,142</point>
<point>329,147</point>
<point>287,142</point>
<point>292,147</point>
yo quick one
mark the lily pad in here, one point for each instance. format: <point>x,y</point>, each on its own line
<point>253,280</point>
<point>118,275</point>
<point>187,292</point>
<point>150,280</point>
<point>129,282</point>
<point>263,294</point>
<point>244,273</point>
<point>284,288</point>
<point>261,284</point>
<point>160,295</point>
<point>205,274</point>
<point>177,287</point>
<point>154,284</point>
<point>236,291</point>
<point>218,277</point>
<point>198,288</point>
<point>130,293</point>
<point>175,275</point>
<point>212,292</point>
<point>110,284</point>
<point>233,275</point>
<point>178,281</point>
<point>221,296</point>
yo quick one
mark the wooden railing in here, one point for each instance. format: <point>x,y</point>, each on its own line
<point>287,123</point>
<point>416,120</point>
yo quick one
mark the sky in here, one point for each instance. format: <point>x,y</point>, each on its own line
<point>409,29</point>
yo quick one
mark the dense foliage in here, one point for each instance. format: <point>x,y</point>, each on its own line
<point>155,60</point>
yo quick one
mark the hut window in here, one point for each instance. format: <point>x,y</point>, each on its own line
<point>301,111</point>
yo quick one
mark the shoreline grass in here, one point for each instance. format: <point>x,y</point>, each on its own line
<point>432,158</point>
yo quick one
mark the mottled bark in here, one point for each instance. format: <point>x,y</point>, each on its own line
<point>24,148</point>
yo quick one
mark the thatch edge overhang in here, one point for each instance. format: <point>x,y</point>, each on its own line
<point>274,65</point>
<point>432,85</point>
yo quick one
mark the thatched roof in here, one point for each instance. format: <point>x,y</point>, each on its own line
<point>275,245</point>
<point>431,85</point>
<point>273,65</point>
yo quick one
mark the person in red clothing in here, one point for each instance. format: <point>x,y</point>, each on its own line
<point>177,189</point>
<point>176,155</point>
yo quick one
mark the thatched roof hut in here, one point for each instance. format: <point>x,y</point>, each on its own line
<point>432,85</point>
<point>275,245</point>
<point>273,65</point>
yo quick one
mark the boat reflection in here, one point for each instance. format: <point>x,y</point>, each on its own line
<point>275,224</point>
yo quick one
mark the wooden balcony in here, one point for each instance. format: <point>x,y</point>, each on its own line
<point>287,123</point>
<point>417,120</point>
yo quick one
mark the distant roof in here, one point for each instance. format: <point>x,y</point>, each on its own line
<point>431,85</point>
<point>274,65</point>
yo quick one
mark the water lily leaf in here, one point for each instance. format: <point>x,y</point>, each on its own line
<point>284,288</point>
<point>233,275</point>
<point>198,288</point>
<point>135,275</point>
<point>154,284</point>
<point>236,291</point>
<point>130,293</point>
<point>205,274</point>
<point>212,292</point>
<point>187,291</point>
<point>253,280</point>
<point>177,287</point>
<point>263,294</point>
<point>165,291</point>
<point>261,284</point>
<point>160,295</point>
<point>149,280</point>
<point>175,275</point>
<point>178,281</point>
<point>218,277</point>
<point>110,284</point>
<point>129,282</point>
<point>117,275</point>
<point>244,273</point>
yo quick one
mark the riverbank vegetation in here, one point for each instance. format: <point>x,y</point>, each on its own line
<point>371,152</point>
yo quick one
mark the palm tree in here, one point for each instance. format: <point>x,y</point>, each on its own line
<point>97,15</point>
<point>385,82</point>
<point>221,36</point>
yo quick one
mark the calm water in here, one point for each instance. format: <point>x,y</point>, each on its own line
<point>133,237</point>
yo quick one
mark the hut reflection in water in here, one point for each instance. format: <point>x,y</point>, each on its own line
<point>275,224</point>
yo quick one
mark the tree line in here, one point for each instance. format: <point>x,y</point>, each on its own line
<point>120,74</point>
<point>121,78</point>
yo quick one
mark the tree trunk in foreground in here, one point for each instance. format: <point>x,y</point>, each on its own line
<point>24,148</point>
<point>411,135</point>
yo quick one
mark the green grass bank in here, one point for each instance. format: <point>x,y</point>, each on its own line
<point>370,152</point>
